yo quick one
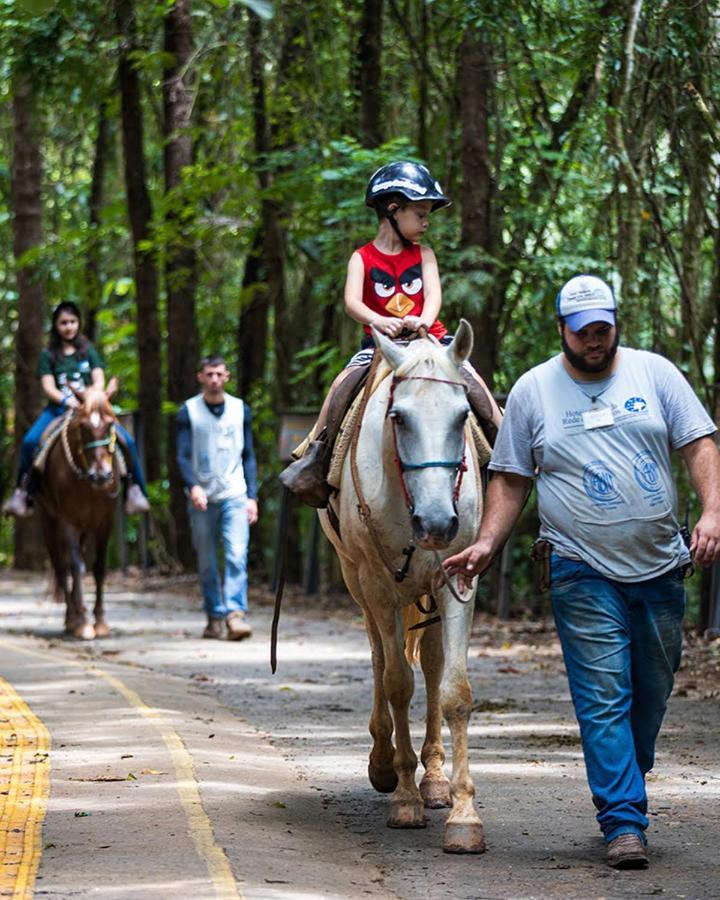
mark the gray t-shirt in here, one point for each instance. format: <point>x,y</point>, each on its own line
<point>605,494</point>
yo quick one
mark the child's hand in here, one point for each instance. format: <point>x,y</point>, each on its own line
<point>389,326</point>
<point>412,323</point>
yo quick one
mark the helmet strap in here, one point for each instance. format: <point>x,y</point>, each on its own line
<point>390,216</point>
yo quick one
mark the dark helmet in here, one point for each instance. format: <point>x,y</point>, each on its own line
<point>411,180</point>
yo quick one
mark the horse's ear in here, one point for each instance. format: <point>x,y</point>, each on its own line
<point>78,393</point>
<point>392,353</point>
<point>111,388</point>
<point>462,344</point>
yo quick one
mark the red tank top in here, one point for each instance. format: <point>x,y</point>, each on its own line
<point>393,284</point>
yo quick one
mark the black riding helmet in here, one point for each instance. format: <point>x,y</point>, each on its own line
<point>408,179</point>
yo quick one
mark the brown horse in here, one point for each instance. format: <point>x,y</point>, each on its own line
<point>77,496</point>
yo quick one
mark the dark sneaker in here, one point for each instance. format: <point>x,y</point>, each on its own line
<point>17,505</point>
<point>627,851</point>
<point>214,629</point>
<point>238,626</point>
<point>136,502</point>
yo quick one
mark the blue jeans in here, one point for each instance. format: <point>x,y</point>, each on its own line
<point>621,644</point>
<point>32,437</point>
<point>227,520</point>
<point>135,467</point>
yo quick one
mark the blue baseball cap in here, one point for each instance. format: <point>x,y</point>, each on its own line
<point>585,299</point>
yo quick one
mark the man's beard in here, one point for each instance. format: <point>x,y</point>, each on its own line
<point>578,362</point>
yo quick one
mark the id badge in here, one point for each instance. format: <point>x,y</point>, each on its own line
<point>601,417</point>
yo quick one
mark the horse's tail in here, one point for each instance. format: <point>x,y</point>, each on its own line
<point>413,616</point>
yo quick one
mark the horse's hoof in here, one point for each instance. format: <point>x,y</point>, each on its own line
<point>435,792</point>
<point>102,629</point>
<point>84,632</point>
<point>406,815</point>
<point>383,780</point>
<point>464,837</point>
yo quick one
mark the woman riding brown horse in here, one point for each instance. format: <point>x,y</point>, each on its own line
<point>76,498</point>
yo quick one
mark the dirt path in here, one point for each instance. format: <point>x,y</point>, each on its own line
<point>280,762</point>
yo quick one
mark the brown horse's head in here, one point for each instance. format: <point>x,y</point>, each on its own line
<point>94,422</point>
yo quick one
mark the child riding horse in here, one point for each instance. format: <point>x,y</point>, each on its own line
<point>70,361</point>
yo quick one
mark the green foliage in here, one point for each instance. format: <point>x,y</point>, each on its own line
<point>560,203</point>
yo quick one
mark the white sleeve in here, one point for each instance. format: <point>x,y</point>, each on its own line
<point>517,438</point>
<point>685,415</point>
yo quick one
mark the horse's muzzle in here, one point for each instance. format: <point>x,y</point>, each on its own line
<point>434,533</point>
<point>101,478</point>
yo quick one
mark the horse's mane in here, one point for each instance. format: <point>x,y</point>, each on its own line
<point>428,356</point>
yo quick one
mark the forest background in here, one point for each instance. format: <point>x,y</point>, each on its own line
<point>192,175</point>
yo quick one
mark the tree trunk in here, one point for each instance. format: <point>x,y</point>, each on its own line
<point>253,323</point>
<point>27,207</point>
<point>140,214</point>
<point>93,286</point>
<point>181,258</point>
<point>476,76</point>
<point>368,73</point>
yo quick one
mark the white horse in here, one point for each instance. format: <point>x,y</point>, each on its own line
<point>419,493</point>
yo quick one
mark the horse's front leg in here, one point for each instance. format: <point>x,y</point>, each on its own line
<point>81,629</point>
<point>381,771</point>
<point>406,805</point>
<point>381,767</point>
<point>99,566</point>
<point>463,830</point>
<point>435,785</point>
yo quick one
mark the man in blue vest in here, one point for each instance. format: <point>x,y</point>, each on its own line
<point>217,463</point>
<point>594,426</point>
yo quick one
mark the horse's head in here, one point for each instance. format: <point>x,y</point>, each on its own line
<point>95,422</point>
<point>427,412</point>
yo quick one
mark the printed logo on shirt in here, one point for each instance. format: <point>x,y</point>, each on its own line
<point>645,469</point>
<point>636,404</point>
<point>647,475</point>
<point>599,484</point>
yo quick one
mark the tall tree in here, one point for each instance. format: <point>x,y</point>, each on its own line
<point>181,275</point>
<point>27,209</point>
<point>368,73</point>
<point>93,287</point>
<point>141,214</point>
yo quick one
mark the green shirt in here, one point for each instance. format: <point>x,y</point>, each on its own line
<point>70,370</point>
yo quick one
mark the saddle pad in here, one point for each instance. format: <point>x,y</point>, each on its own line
<point>342,443</point>
<point>49,436</point>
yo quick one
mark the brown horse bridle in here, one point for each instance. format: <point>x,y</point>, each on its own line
<point>81,471</point>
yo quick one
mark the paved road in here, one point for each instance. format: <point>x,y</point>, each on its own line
<point>180,768</point>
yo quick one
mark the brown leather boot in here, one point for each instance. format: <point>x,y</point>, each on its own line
<point>306,477</point>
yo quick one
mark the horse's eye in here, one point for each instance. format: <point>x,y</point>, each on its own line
<point>394,414</point>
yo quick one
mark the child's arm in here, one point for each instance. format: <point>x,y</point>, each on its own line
<point>355,307</point>
<point>431,291</point>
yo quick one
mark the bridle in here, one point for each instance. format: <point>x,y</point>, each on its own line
<point>460,465</point>
<point>364,511</point>
<point>81,471</point>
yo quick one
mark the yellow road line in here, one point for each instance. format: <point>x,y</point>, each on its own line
<point>199,826</point>
<point>24,789</point>
<point>187,787</point>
